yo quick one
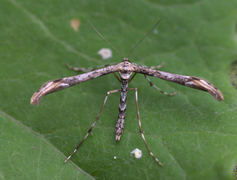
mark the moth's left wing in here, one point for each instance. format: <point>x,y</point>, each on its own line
<point>59,84</point>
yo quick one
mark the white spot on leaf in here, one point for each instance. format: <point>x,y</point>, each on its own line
<point>155,31</point>
<point>137,153</point>
<point>105,53</point>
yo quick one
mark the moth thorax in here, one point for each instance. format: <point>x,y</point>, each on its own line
<point>125,75</point>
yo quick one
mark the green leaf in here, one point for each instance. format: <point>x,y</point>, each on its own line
<point>27,155</point>
<point>192,134</point>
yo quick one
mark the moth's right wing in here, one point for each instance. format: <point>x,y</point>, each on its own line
<point>190,81</point>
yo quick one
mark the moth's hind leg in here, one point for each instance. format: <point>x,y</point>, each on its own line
<point>140,127</point>
<point>97,118</point>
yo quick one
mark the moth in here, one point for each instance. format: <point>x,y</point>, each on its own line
<point>127,71</point>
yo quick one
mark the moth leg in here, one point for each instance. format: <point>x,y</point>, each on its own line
<point>97,118</point>
<point>117,77</point>
<point>163,92</point>
<point>157,67</point>
<point>87,69</point>
<point>140,127</point>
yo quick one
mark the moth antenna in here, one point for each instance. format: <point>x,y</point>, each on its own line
<point>105,39</point>
<point>144,37</point>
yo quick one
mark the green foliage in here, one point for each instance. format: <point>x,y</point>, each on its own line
<point>192,134</point>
